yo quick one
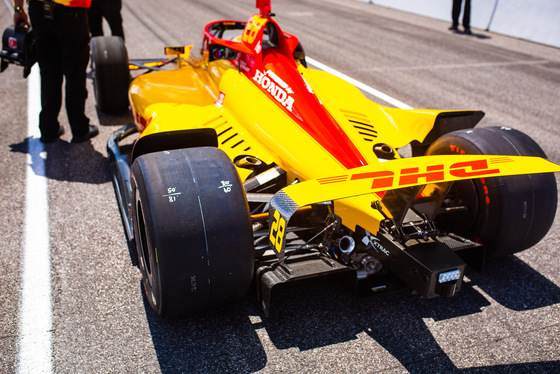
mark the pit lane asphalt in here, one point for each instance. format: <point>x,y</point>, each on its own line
<point>504,320</point>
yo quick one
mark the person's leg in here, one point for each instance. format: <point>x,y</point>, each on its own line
<point>74,43</point>
<point>467,16</point>
<point>455,12</point>
<point>95,19</point>
<point>50,64</point>
<point>112,13</point>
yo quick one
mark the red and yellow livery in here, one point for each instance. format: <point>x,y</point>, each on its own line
<point>250,166</point>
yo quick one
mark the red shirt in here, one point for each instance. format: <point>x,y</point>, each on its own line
<point>74,3</point>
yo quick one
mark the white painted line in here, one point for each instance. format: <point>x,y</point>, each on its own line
<point>35,315</point>
<point>362,86</point>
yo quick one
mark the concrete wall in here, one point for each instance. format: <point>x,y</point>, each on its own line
<point>535,20</point>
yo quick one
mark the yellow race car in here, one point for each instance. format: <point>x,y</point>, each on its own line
<point>244,166</point>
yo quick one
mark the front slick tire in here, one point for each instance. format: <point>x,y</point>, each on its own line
<point>506,214</point>
<point>111,75</point>
<point>192,230</point>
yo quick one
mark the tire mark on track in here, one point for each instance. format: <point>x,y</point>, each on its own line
<point>147,22</point>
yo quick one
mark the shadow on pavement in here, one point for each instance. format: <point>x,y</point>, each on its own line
<point>219,341</point>
<point>473,34</point>
<point>118,119</point>
<point>65,161</point>
<point>323,313</point>
<point>545,367</point>
<point>516,285</point>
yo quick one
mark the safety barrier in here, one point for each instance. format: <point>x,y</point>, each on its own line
<point>534,20</point>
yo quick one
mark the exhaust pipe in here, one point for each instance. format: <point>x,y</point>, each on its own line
<point>346,244</point>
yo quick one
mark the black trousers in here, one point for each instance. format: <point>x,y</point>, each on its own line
<point>111,11</point>
<point>457,11</point>
<point>62,52</point>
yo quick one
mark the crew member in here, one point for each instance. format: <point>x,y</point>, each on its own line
<point>111,11</point>
<point>456,11</point>
<point>61,32</point>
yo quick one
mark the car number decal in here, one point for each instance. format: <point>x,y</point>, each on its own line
<point>277,231</point>
<point>253,28</point>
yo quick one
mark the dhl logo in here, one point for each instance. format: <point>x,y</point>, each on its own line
<point>432,174</point>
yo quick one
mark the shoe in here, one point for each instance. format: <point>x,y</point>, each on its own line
<point>453,28</point>
<point>468,31</point>
<point>93,131</point>
<point>52,138</point>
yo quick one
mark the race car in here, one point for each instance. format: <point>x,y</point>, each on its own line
<point>244,167</point>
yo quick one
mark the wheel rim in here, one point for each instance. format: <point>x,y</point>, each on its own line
<point>142,242</point>
<point>462,204</point>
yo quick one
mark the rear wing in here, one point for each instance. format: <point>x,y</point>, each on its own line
<point>392,175</point>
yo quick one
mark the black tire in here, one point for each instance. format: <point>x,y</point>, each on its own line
<point>506,214</point>
<point>111,76</point>
<point>192,232</point>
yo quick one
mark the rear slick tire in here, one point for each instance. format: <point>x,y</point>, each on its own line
<point>506,214</point>
<point>192,230</point>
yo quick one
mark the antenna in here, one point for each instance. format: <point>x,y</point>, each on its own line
<point>264,7</point>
